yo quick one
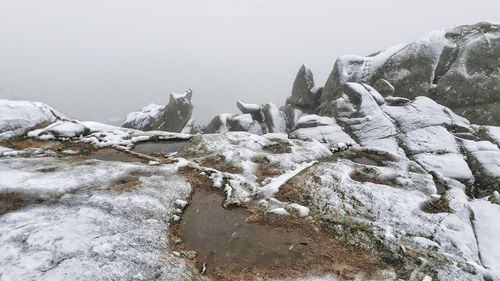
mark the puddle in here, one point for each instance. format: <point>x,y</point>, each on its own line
<point>364,160</point>
<point>159,147</point>
<point>238,245</point>
<point>110,154</point>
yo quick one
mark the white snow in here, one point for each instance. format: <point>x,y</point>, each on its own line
<point>487,226</point>
<point>17,117</point>
<point>77,227</point>
<point>451,165</point>
<point>143,117</point>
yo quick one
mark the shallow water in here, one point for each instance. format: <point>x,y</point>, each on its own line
<point>110,154</point>
<point>159,147</point>
<point>226,243</point>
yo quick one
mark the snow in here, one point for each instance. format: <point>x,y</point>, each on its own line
<point>143,117</point>
<point>325,134</point>
<point>494,133</point>
<point>435,139</point>
<point>17,117</point>
<point>279,211</point>
<point>274,185</point>
<point>247,107</point>
<point>76,225</point>
<point>423,112</point>
<point>487,227</point>
<point>451,165</point>
<point>63,129</point>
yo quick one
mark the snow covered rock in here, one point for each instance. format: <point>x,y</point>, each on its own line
<point>484,158</point>
<point>356,110</point>
<point>252,109</point>
<point>18,117</point>
<point>219,124</point>
<point>75,220</point>
<point>384,87</point>
<point>292,115</point>
<point>388,204</point>
<point>320,128</point>
<point>304,94</point>
<point>245,123</point>
<point>274,119</point>
<point>171,118</point>
<point>61,129</point>
<point>457,67</point>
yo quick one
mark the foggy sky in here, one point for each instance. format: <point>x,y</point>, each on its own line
<point>99,59</point>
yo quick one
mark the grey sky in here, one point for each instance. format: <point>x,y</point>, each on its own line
<point>97,59</point>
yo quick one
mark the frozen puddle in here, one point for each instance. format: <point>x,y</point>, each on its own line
<point>235,244</point>
<point>159,147</point>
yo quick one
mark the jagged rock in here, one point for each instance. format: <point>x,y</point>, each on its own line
<point>304,94</point>
<point>250,108</point>
<point>171,118</point>
<point>292,115</point>
<point>274,119</point>
<point>245,123</point>
<point>219,124</point>
<point>358,112</point>
<point>383,87</point>
<point>457,67</point>
<point>18,117</point>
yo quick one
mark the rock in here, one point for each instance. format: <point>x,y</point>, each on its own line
<point>495,198</point>
<point>457,67</point>
<point>219,124</point>
<point>320,128</point>
<point>396,101</point>
<point>61,129</point>
<point>304,94</point>
<point>356,110</point>
<point>252,109</point>
<point>171,118</point>
<point>18,117</point>
<point>292,115</point>
<point>375,94</point>
<point>484,159</point>
<point>245,123</point>
<point>274,119</point>
<point>383,87</point>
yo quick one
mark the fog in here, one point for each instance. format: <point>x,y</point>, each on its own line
<point>100,59</point>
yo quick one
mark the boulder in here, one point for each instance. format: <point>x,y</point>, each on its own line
<point>304,94</point>
<point>244,123</point>
<point>250,108</point>
<point>457,67</point>
<point>171,118</point>
<point>274,119</point>
<point>18,117</point>
<point>219,124</point>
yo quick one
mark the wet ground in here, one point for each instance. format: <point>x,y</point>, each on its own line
<point>110,154</point>
<point>235,244</point>
<point>159,147</point>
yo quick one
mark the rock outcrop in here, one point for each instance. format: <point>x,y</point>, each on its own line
<point>304,93</point>
<point>457,67</point>
<point>171,118</point>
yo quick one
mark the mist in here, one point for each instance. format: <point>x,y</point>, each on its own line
<point>100,59</point>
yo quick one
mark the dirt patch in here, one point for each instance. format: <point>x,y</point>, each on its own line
<point>360,176</point>
<point>219,163</point>
<point>30,143</point>
<point>289,193</point>
<point>278,147</point>
<point>13,201</point>
<point>236,244</point>
<point>125,184</point>
<point>436,206</point>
